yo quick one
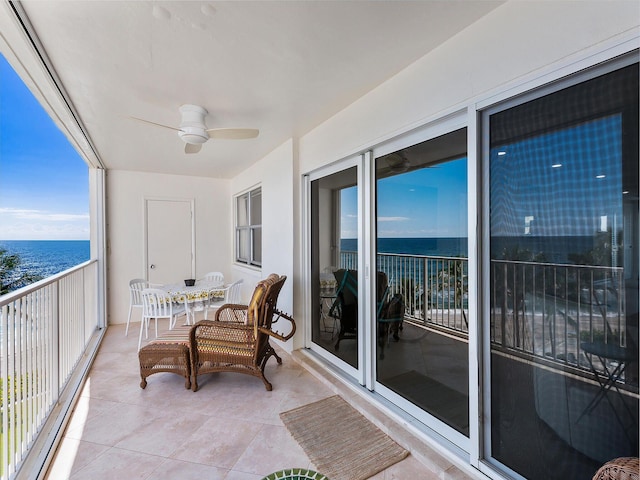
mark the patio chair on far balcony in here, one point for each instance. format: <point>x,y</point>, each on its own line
<point>238,339</point>
<point>345,307</point>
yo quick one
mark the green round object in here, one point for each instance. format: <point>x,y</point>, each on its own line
<point>295,474</point>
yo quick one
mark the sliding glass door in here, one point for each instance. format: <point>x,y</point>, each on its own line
<point>563,278</point>
<point>335,290</point>
<point>388,270</point>
<point>421,285</point>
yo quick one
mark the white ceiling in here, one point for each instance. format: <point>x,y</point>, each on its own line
<point>280,66</point>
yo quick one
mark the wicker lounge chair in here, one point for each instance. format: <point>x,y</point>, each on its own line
<point>238,339</point>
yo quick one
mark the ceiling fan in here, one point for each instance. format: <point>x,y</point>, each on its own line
<point>194,132</point>
<point>397,162</point>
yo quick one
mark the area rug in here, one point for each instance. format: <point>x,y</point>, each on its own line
<point>341,442</point>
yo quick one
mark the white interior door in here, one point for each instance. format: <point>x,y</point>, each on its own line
<point>169,240</point>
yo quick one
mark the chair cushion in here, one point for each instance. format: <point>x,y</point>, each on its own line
<point>212,335</point>
<point>258,296</point>
<point>225,348</point>
<point>222,342</point>
<point>178,335</point>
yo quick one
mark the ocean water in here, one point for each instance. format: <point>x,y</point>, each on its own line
<point>47,257</point>
<point>442,247</point>
<point>558,249</point>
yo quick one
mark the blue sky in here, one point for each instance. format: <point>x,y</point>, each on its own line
<point>426,203</point>
<point>44,186</point>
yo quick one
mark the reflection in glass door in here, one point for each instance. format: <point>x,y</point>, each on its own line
<point>334,259</point>
<point>563,325</point>
<point>422,306</point>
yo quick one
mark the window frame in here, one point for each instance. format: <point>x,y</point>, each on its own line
<point>247,242</point>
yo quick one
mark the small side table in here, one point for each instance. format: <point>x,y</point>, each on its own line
<point>607,351</point>
<point>327,297</point>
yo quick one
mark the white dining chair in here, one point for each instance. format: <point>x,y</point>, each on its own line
<point>217,278</point>
<point>231,295</point>
<point>135,298</point>
<point>157,304</point>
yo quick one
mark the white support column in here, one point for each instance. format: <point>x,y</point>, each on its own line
<point>98,236</point>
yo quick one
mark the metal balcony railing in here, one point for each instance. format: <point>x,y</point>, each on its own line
<point>548,310</point>
<point>44,332</point>
<point>434,288</point>
<point>538,311</point>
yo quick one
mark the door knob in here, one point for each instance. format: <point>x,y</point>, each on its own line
<point>152,267</point>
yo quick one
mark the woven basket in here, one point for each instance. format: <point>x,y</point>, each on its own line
<point>623,468</point>
<point>295,474</point>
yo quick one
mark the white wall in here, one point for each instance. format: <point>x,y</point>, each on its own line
<point>513,41</point>
<point>274,174</point>
<point>126,192</point>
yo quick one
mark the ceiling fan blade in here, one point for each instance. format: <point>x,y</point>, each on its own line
<point>232,133</point>
<point>192,147</point>
<point>154,123</point>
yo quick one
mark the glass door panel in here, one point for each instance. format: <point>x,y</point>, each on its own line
<point>334,260</point>
<point>421,317</point>
<point>563,325</point>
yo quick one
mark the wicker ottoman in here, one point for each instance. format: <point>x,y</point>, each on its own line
<point>170,354</point>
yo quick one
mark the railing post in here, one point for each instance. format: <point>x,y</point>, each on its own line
<point>55,326</point>
<point>4,362</point>
<point>503,310</point>
<point>426,289</point>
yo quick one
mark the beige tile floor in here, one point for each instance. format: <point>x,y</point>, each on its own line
<point>230,429</point>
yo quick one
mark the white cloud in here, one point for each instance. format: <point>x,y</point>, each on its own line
<point>25,224</point>
<point>393,219</point>
<point>24,214</point>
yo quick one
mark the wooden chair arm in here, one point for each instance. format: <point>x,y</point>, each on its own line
<point>275,334</point>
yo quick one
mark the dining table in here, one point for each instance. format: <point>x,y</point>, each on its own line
<point>195,297</point>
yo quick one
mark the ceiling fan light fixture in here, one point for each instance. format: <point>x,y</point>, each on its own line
<point>193,135</point>
<point>193,130</point>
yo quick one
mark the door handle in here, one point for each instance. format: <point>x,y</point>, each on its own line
<point>152,266</point>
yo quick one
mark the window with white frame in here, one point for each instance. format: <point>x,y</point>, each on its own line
<point>249,227</point>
